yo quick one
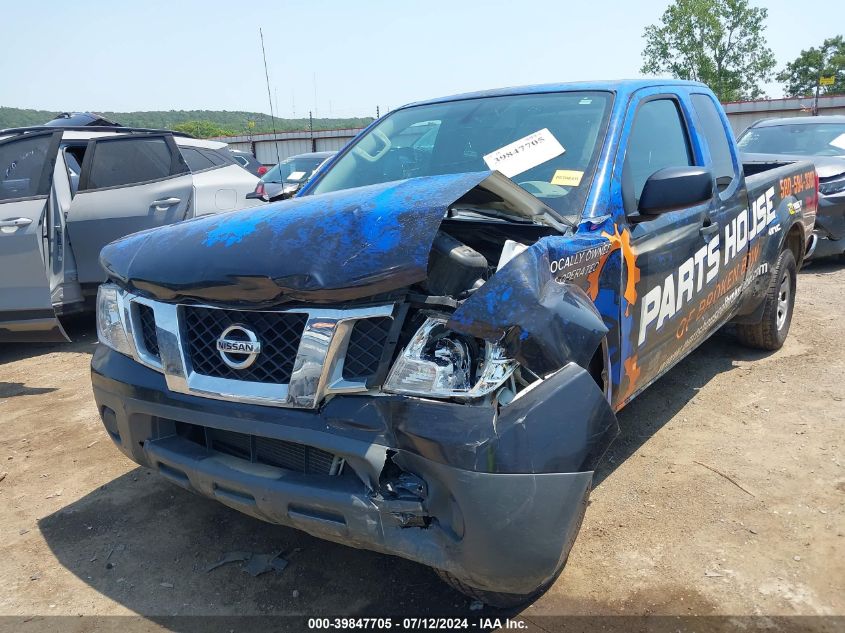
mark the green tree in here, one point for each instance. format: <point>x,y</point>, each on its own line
<point>800,76</point>
<point>201,129</point>
<point>718,42</point>
<point>197,122</point>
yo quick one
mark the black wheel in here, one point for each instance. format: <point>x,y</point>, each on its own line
<point>770,332</point>
<point>501,600</point>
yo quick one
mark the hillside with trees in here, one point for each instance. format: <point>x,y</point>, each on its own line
<point>203,123</point>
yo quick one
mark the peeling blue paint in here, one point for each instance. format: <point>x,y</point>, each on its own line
<point>360,242</point>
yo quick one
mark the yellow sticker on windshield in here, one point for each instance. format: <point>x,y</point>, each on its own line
<point>567,177</point>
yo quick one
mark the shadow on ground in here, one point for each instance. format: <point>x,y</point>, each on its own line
<point>660,402</point>
<point>823,266</point>
<point>81,329</point>
<point>147,544</point>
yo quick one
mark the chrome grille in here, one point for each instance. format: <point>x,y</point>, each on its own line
<point>366,346</point>
<point>279,333</point>
<point>306,353</point>
<point>148,329</point>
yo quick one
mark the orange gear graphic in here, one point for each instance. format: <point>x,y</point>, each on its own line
<point>618,241</point>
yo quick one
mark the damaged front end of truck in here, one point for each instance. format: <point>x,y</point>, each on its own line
<point>391,367</point>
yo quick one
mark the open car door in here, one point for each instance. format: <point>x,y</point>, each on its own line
<point>26,171</point>
<point>128,183</point>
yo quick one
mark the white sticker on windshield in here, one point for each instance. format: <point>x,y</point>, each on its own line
<point>529,151</point>
<point>296,175</point>
<point>839,141</point>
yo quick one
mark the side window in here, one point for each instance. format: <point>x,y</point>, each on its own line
<point>22,168</point>
<point>128,161</point>
<point>717,140</point>
<point>196,160</point>
<point>219,160</point>
<point>658,139</point>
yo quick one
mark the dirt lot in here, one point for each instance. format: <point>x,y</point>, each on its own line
<point>84,531</point>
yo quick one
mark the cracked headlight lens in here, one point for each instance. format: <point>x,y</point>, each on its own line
<point>439,363</point>
<point>111,330</point>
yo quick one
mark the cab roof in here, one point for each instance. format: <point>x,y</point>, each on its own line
<point>618,86</point>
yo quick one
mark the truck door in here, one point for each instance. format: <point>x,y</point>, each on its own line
<point>674,254</point>
<point>127,184</point>
<point>692,261</point>
<point>26,169</point>
<point>728,220</point>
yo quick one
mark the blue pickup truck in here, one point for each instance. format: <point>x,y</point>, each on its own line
<point>423,353</point>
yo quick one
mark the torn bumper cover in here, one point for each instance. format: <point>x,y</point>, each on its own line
<point>493,498</point>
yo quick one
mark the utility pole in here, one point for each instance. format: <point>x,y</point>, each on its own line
<point>311,131</point>
<point>378,116</point>
<point>816,100</point>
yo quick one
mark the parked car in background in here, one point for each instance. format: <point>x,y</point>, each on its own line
<point>220,182</point>
<point>65,192</point>
<point>423,352</point>
<point>820,139</point>
<point>249,162</point>
<point>289,176</point>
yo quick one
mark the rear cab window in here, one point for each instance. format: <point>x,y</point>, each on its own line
<point>721,155</point>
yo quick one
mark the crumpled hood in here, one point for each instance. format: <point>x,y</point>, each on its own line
<point>332,247</point>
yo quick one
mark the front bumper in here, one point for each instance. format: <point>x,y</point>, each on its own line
<point>829,231</point>
<point>479,518</point>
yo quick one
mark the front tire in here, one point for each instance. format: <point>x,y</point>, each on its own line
<point>771,331</point>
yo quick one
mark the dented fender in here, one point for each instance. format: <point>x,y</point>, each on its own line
<point>542,323</point>
<point>563,424</point>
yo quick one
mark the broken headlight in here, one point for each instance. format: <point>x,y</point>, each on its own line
<point>111,330</point>
<point>440,363</point>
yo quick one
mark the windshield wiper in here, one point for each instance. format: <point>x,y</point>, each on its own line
<point>487,213</point>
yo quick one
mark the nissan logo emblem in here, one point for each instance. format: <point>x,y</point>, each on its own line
<point>235,342</point>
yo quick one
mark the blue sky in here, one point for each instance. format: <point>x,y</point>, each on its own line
<point>184,54</point>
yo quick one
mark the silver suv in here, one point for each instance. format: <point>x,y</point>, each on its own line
<point>65,192</point>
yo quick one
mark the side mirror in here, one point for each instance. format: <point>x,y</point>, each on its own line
<point>674,188</point>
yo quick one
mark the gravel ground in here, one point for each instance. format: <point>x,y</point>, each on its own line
<point>724,495</point>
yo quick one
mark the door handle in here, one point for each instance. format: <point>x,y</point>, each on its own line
<point>17,222</point>
<point>709,230</point>
<point>166,202</point>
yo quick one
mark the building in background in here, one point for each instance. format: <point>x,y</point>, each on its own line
<point>269,149</point>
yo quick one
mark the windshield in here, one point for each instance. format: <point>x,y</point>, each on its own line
<point>293,170</point>
<point>547,143</point>
<point>803,139</point>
